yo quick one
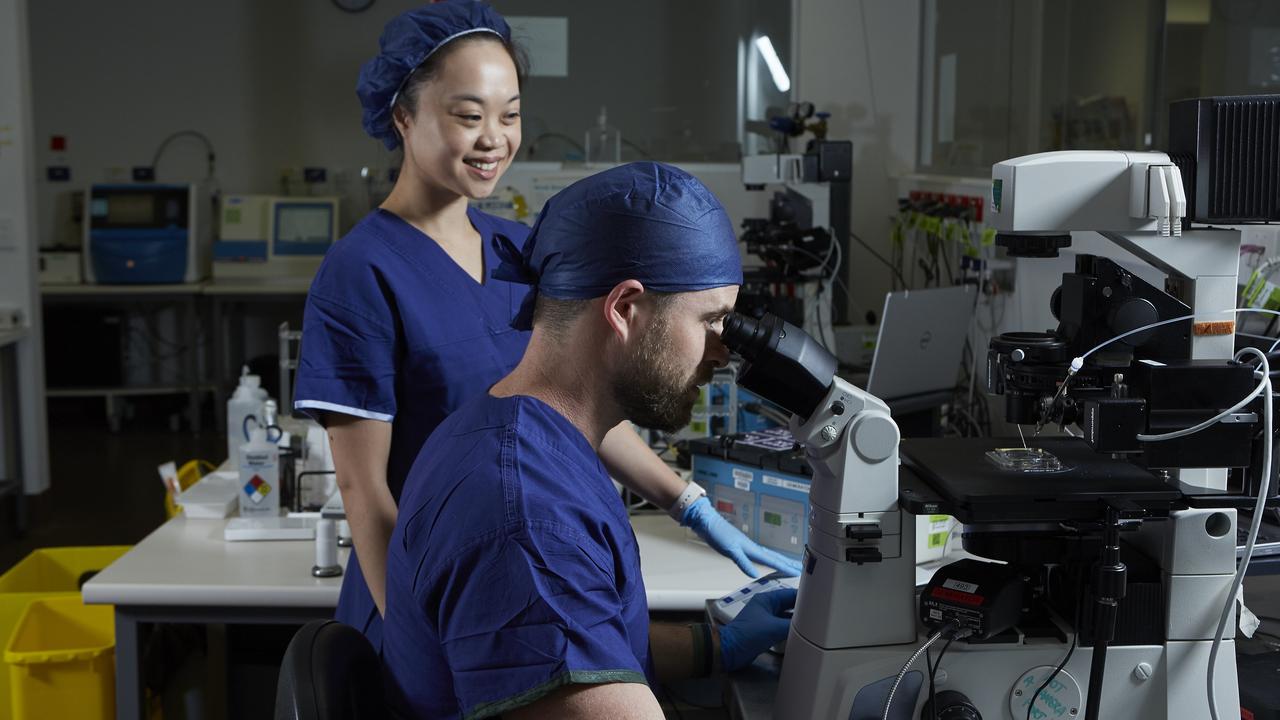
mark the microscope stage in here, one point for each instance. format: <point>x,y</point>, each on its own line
<point>954,476</point>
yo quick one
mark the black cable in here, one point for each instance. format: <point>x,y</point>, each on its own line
<point>879,257</point>
<point>164,144</point>
<point>1075,636</point>
<point>933,671</point>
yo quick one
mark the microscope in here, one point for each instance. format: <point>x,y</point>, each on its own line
<point>804,240</point>
<point>1103,567</point>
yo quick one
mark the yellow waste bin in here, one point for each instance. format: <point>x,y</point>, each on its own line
<point>45,573</point>
<point>61,660</point>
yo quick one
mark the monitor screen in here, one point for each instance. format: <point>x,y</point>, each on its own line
<point>303,228</point>
<point>130,209</point>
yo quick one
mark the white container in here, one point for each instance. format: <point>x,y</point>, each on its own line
<point>214,496</point>
<point>259,476</point>
<point>245,402</point>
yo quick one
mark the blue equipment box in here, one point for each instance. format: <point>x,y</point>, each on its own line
<point>758,481</point>
<point>147,234</point>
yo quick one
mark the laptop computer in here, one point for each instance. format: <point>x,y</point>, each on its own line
<point>921,340</point>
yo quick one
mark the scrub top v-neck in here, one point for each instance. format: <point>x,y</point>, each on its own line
<point>395,330</point>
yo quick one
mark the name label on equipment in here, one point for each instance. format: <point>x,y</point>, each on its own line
<point>786,484</point>
<point>960,585</point>
<point>742,479</point>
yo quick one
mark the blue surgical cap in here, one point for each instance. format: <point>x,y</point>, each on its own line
<point>643,221</point>
<point>407,41</point>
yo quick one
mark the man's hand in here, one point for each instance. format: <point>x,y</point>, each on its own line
<point>730,542</point>
<point>763,623</point>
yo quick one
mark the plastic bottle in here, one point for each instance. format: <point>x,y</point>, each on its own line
<point>246,401</point>
<point>259,476</point>
<point>603,144</point>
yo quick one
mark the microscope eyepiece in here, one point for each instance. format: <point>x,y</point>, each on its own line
<point>783,363</point>
<point>744,335</point>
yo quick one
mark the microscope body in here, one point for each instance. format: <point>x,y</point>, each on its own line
<point>858,621</point>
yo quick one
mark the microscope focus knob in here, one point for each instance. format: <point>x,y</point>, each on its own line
<point>875,438</point>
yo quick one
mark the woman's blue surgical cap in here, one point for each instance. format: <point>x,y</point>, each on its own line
<point>407,41</point>
<point>643,221</point>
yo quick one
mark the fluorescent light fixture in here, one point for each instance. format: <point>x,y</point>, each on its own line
<point>780,78</point>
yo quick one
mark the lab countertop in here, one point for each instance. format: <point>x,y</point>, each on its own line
<point>186,562</point>
<point>679,573</point>
<point>100,290</point>
<point>283,285</point>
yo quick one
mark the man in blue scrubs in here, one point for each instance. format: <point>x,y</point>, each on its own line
<point>513,575</point>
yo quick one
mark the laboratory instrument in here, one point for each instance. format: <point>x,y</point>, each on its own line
<point>805,238</point>
<point>61,267</point>
<point>759,482</point>
<point>147,234</point>
<point>269,236</point>
<point>1115,577</point>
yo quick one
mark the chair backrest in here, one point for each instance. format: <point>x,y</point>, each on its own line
<point>330,672</point>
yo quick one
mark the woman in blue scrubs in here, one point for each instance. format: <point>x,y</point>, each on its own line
<point>403,323</point>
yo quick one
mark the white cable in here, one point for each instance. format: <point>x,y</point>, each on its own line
<point>1144,328</point>
<point>1078,362</point>
<point>888,701</point>
<point>1255,524</point>
<point>1179,319</point>
<point>1175,434</point>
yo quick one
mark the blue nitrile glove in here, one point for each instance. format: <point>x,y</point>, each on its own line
<point>760,625</point>
<point>730,542</point>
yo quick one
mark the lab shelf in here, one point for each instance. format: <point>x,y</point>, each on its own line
<point>110,394</point>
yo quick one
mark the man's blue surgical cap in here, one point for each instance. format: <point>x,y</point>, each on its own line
<point>407,41</point>
<point>643,221</point>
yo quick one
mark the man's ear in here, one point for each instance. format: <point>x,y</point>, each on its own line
<point>621,308</point>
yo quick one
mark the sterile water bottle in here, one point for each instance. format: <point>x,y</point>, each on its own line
<point>603,143</point>
<point>245,402</point>
<point>259,475</point>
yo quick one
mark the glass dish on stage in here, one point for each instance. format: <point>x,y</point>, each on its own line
<point>1025,460</point>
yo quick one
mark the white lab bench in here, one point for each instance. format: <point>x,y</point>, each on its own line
<point>185,572</point>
